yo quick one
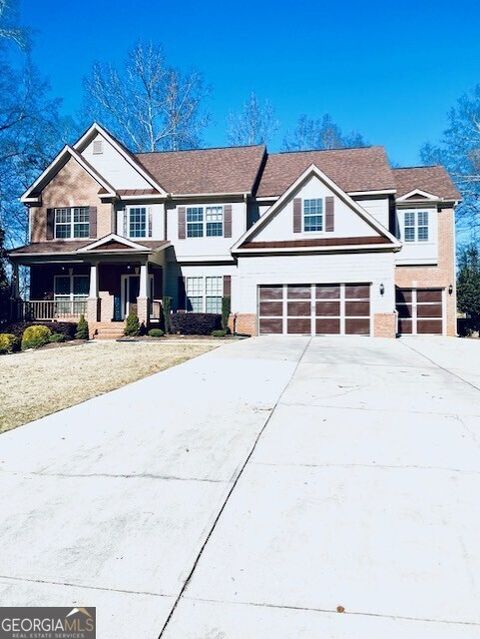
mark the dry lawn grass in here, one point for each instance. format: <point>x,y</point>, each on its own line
<point>37,383</point>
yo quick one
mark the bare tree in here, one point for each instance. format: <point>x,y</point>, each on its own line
<point>8,29</point>
<point>322,133</point>
<point>459,152</point>
<point>254,124</point>
<point>150,105</point>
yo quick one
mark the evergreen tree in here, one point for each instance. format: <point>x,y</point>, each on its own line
<point>468,285</point>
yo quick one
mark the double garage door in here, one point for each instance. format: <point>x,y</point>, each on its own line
<point>420,311</point>
<point>314,309</point>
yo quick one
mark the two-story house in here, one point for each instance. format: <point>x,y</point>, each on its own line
<point>316,242</point>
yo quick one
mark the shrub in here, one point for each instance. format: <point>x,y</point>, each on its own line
<point>82,328</point>
<point>35,336</point>
<point>8,343</point>
<point>195,323</point>
<point>56,338</point>
<point>156,332</point>
<point>166,310</point>
<point>132,327</point>
<point>65,328</point>
<point>220,333</point>
<point>226,304</point>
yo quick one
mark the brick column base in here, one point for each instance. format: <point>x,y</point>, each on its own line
<point>384,324</point>
<point>243,323</point>
<point>142,311</point>
<point>92,315</point>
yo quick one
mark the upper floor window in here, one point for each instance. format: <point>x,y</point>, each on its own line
<point>72,222</point>
<point>416,226</point>
<point>313,215</point>
<point>205,221</point>
<point>137,221</point>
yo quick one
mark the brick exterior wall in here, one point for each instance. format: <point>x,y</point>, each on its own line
<point>244,323</point>
<point>441,275</point>
<point>72,186</point>
<point>384,324</point>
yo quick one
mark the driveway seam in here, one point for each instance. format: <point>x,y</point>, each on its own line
<point>230,492</point>
<point>379,466</point>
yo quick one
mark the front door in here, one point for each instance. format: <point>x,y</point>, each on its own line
<point>130,291</point>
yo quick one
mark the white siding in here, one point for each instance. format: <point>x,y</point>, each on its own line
<point>376,268</point>
<point>348,223</point>
<point>113,167</point>
<point>208,247</point>
<point>377,207</point>
<point>418,252</point>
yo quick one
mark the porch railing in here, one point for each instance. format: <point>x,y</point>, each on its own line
<point>49,310</point>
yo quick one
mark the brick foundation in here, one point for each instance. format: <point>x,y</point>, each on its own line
<point>92,315</point>
<point>142,311</point>
<point>384,324</point>
<point>243,323</point>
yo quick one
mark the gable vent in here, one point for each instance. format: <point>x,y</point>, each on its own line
<point>97,147</point>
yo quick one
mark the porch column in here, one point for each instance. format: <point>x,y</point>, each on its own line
<point>15,289</point>
<point>92,301</point>
<point>142,299</point>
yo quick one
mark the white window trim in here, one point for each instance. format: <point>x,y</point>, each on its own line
<point>204,208</point>
<point>416,225</point>
<point>204,295</point>
<point>147,214</point>
<point>306,231</point>
<point>71,276</point>
<point>71,223</point>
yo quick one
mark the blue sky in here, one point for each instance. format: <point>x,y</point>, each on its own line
<point>389,70</point>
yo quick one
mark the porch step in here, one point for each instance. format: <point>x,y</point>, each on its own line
<point>109,330</point>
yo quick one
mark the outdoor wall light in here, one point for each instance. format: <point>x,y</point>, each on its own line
<point>450,289</point>
<point>382,289</point>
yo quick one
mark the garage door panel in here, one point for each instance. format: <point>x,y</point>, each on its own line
<point>404,310</point>
<point>432,295</point>
<point>405,326</point>
<point>429,327</point>
<point>327,326</point>
<point>357,309</point>
<point>357,291</point>
<point>429,310</point>
<point>271,325</point>
<point>327,308</point>
<point>403,295</point>
<point>271,308</point>
<point>299,308</point>
<point>271,292</point>
<point>357,326</point>
<point>327,291</point>
<point>299,326</point>
<point>295,292</point>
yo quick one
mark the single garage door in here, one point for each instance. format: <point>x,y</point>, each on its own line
<point>314,309</point>
<point>420,311</point>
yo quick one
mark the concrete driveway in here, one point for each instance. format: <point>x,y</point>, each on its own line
<point>252,491</point>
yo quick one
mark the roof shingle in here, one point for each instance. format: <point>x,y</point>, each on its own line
<point>432,179</point>
<point>363,169</point>
<point>227,170</point>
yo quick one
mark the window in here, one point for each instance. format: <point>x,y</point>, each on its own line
<point>204,295</point>
<point>69,289</point>
<point>214,290</point>
<point>72,222</point>
<point>205,222</point>
<point>415,226</point>
<point>137,221</point>
<point>313,215</point>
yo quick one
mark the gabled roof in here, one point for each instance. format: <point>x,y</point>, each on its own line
<point>34,191</point>
<point>246,242</point>
<point>96,128</point>
<point>232,170</point>
<point>353,170</point>
<point>111,243</point>
<point>432,180</point>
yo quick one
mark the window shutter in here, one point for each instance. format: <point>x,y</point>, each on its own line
<point>150,222</point>
<point>50,224</point>
<point>181,223</point>
<point>181,294</point>
<point>92,218</point>
<point>297,215</point>
<point>125,223</point>
<point>329,214</point>
<point>227,220</point>
<point>227,286</point>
